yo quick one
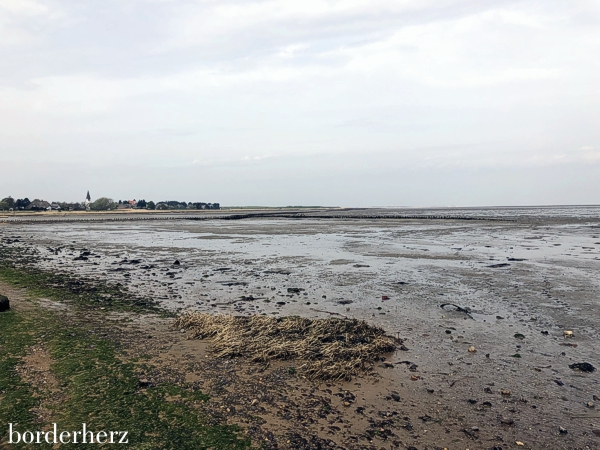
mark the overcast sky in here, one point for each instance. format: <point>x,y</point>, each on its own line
<point>353,102</point>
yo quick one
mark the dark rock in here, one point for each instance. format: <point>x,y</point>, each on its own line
<point>294,290</point>
<point>582,367</point>
<point>472,401</point>
<point>4,303</point>
<point>278,271</point>
<point>562,430</point>
<point>496,266</point>
<point>176,263</point>
<point>395,396</point>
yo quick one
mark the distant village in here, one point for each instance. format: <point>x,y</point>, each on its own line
<point>100,204</point>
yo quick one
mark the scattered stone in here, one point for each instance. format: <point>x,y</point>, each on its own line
<point>395,396</point>
<point>582,367</point>
<point>520,444</point>
<point>472,349</point>
<point>562,430</point>
<point>4,303</point>
<point>568,334</point>
<point>507,421</point>
<point>590,404</point>
<point>505,392</point>
<point>519,336</point>
<point>472,401</point>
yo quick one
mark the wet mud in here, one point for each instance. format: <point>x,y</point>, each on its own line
<point>482,307</point>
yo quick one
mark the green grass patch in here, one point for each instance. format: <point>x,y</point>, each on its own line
<point>72,289</point>
<point>105,393</point>
<point>16,396</point>
<point>99,389</point>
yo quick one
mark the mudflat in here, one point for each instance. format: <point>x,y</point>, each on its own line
<point>497,309</point>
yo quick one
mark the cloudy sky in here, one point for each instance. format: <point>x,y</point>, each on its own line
<point>314,102</point>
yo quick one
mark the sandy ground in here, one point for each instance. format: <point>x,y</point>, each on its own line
<point>524,282</point>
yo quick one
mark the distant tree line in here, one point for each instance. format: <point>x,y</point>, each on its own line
<point>172,204</point>
<point>11,203</point>
<point>100,204</point>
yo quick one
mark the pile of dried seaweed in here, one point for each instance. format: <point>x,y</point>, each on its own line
<point>327,348</point>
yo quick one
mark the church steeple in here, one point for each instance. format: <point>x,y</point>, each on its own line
<point>87,197</point>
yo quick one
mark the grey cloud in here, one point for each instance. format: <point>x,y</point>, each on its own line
<point>334,95</point>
